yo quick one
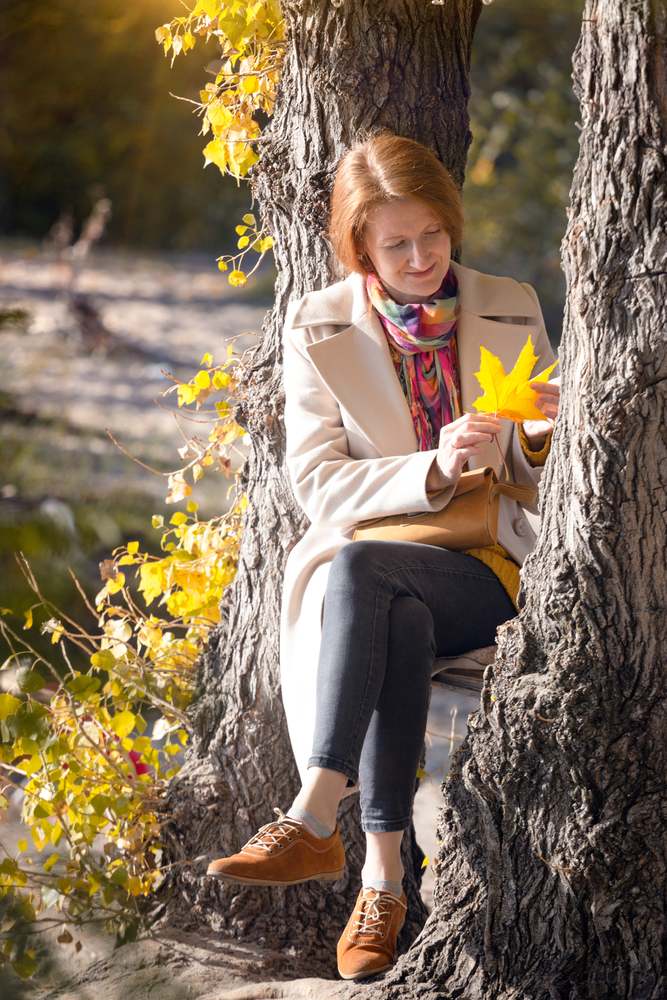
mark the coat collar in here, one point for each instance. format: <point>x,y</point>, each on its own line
<point>355,363</point>
<point>481,294</point>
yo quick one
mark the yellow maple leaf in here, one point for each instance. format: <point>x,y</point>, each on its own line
<point>510,396</point>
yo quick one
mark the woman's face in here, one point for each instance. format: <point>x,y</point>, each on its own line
<point>409,249</point>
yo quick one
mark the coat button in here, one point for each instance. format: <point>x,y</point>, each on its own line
<point>520,527</point>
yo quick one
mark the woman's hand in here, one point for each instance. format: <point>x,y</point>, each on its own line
<point>549,397</point>
<point>459,441</point>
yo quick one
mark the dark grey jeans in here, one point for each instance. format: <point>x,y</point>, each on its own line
<point>390,609</point>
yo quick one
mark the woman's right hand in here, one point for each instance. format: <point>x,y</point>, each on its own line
<point>459,441</point>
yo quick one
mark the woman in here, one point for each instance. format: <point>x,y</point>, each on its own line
<point>379,371</point>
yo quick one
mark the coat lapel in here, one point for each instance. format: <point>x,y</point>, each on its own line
<point>356,366</point>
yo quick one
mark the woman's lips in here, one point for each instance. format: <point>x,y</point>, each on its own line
<point>422,274</point>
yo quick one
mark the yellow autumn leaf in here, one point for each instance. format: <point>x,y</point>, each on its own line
<point>152,581</point>
<point>216,152</point>
<point>250,84</point>
<point>187,394</point>
<point>237,278</point>
<point>510,396</point>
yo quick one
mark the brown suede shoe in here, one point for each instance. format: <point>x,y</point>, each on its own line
<point>283,853</point>
<point>368,944</point>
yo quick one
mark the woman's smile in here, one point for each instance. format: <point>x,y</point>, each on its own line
<point>409,249</point>
<point>423,274</point>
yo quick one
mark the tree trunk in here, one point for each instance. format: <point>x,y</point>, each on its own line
<point>348,67</point>
<point>551,881</point>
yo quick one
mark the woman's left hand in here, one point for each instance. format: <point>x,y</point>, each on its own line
<point>549,397</point>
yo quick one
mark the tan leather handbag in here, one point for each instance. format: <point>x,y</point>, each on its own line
<point>469,521</point>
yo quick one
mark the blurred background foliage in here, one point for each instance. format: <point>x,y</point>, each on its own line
<point>525,143</point>
<point>90,116</point>
<point>87,113</point>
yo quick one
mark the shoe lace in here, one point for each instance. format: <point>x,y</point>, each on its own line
<point>374,911</point>
<point>274,834</point>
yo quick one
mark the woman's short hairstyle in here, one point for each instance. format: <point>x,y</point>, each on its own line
<point>383,169</point>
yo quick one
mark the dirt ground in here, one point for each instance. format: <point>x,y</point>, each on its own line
<point>80,376</point>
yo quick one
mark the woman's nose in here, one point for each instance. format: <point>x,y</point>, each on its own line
<point>420,257</point>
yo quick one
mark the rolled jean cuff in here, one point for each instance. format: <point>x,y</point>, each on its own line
<point>384,825</point>
<point>332,764</point>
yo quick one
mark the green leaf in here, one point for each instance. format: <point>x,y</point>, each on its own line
<point>8,705</point>
<point>119,876</point>
<point>31,724</point>
<point>233,28</point>
<point>8,867</point>
<point>122,723</point>
<point>48,865</point>
<point>104,660</point>
<point>108,895</point>
<point>29,680</point>
<point>100,803</point>
<point>25,966</point>
<point>84,685</point>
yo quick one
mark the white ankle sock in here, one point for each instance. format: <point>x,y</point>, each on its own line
<point>383,885</point>
<point>310,822</point>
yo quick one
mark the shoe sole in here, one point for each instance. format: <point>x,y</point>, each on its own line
<point>372,972</point>
<point>243,880</point>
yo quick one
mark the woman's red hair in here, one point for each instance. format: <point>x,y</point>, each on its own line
<point>383,169</point>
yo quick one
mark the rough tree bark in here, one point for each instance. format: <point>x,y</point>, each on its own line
<point>552,877</point>
<point>348,67</point>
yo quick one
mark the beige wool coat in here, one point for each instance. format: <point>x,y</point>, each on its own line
<point>352,449</point>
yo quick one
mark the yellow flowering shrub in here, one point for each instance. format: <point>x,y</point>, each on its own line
<point>77,744</point>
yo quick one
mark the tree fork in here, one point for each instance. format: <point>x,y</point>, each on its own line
<point>402,64</point>
<point>551,881</point>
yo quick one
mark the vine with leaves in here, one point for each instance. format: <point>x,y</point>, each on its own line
<point>251,37</point>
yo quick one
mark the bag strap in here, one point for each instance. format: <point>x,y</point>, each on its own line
<point>516,491</point>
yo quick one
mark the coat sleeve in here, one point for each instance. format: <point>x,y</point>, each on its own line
<point>332,487</point>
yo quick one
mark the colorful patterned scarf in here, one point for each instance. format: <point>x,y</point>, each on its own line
<point>422,341</point>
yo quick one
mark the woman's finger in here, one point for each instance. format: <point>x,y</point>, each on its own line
<point>470,424</point>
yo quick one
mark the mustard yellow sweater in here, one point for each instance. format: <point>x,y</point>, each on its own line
<point>494,556</point>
